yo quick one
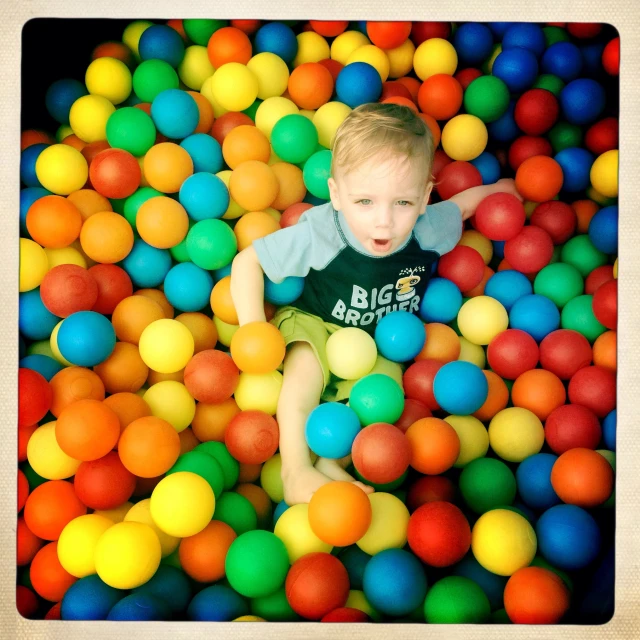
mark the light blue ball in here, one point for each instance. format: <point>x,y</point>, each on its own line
<point>331,429</point>
<point>488,166</point>
<point>603,229</point>
<point>27,197</point>
<point>60,97</point>
<point>582,101</point>
<point>355,561</point>
<point>204,196</point>
<point>44,365</point>
<point>277,38</point>
<point>28,160</point>
<point>505,128</point>
<point>205,151</point>
<point>562,59</point>
<point>460,387</point>
<point>441,302</point>
<point>609,430</point>
<point>217,603</point>
<point>222,272</point>
<point>400,336</point>
<point>35,321</point>
<point>188,287</point>
<point>169,584</point>
<point>473,42</point>
<point>526,35</point>
<point>147,266</point>
<point>86,338</point>
<point>358,83</point>
<point>175,113</point>
<point>533,478</point>
<point>491,583</point>
<point>535,314</point>
<point>517,68</point>
<point>507,287</point>
<point>285,292</point>
<point>140,606</point>
<point>89,599</point>
<point>281,507</point>
<point>161,42</point>
<point>575,163</point>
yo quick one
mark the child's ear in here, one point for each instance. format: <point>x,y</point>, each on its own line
<point>427,193</point>
<point>333,194</point>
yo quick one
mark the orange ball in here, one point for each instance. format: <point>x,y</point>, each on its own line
<point>23,490</point>
<point>128,407</point>
<point>539,179</point>
<point>585,210</point>
<point>89,202</point>
<point>157,296</point>
<point>27,543</point>
<point>435,445</point>
<point>257,347</point>
<point>222,302</point>
<point>211,420</point>
<point>388,34</point>
<point>117,50</point>
<point>260,500</point>
<point>155,377</point>
<point>123,370</point>
<point>402,100</point>
<point>310,85</point>
<point>440,96</point>
<point>434,127</point>
<point>292,189</point>
<point>166,166</point>
<point>204,332</point>
<point>207,115</point>
<point>254,225</point>
<point>53,222</point>
<point>115,173</point>
<point>442,343</point>
<point>203,555</point>
<point>133,315</point>
<point>253,185</point>
<point>582,477</point>
<point>329,28</point>
<point>48,577</point>
<point>478,290</point>
<point>34,136</point>
<point>243,143</point>
<point>87,430</point>
<point>497,397</point>
<point>106,237</point>
<point>149,447</point>
<point>188,440</point>
<point>72,384</point>
<point>339,513</point>
<point>249,472</point>
<point>604,351</point>
<point>413,84</point>
<point>75,142</point>
<point>540,391</point>
<point>229,45</point>
<point>162,222</point>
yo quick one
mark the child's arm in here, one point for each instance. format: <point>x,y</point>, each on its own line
<point>247,287</point>
<point>469,200</point>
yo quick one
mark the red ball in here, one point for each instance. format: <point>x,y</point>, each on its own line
<point>67,289</point>
<point>291,214</point>
<point>584,29</point>
<point>430,489</point>
<point>571,426</point>
<point>500,216</point>
<point>317,584</point>
<point>455,177</point>
<point>466,76</point>
<point>564,352</point>
<point>381,453</point>
<point>23,490</point>
<point>252,437</point>
<point>594,387</point>
<point>440,161</point>
<point>530,250</point>
<point>536,111</point>
<point>598,277</point>
<point>228,121</point>
<point>464,266</point>
<point>417,381</point>
<point>388,34</point>
<point>114,285</point>
<point>439,534</point>
<point>394,89</point>
<point>557,218</point>
<point>605,304</point>
<point>104,483</point>
<point>512,352</point>
<point>211,376</point>
<point>34,397</point>
<point>26,602</point>
<point>333,66</point>
<point>421,31</point>
<point>413,410</point>
<point>602,136</point>
<point>526,147</point>
<point>115,173</point>
<point>346,614</point>
<point>539,178</point>
<point>611,57</point>
<point>54,612</point>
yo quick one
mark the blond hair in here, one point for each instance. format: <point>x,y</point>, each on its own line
<point>374,128</point>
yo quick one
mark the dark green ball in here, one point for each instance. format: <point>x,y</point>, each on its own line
<point>578,315</point>
<point>487,98</point>
<point>559,282</point>
<point>274,607</point>
<point>555,34</point>
<point>205,466</point>
<point>564,135</point>
<point>580,252</point>
<point>456,600</point>
<point>487,483</point>
<point>199,30</point>
<point>549,82</point>
<point>230,466</point>
<point>236,511</point>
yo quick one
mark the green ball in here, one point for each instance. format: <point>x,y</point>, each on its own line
<point>251,111</point>
<point>555,34</point>
<point>199,30</point>
<point>564,135</point>
<point>500,617</point>
<point>316,172</point>
<point>136,200</point>
<point>539,561</point>
<point>211,244</point>
<point>33,478</point>
<point>236,511</point>
<point>229,465</point>
<point>580,252</point>
<point>578,315</point>
<point>257,564</point>
<point>456,600</point>
<point>294,138</point>
<point>487,98</point>
<point>549,82</point>
<point>151,77</point>
<point>557,252</point>
<point>377,398</point>
<point>131,129</point>
<point>179,252</point>
<point>274,607</point>
<point>385,488</point>
<point>173,559</point>
<point>487,483</point>
<point>117,204</point>
<point>205,466</point>
<point>559,282</point>
<point>24,577</point>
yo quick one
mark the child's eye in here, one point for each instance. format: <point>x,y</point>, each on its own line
<point>406,203</point>
<point>364,201</point>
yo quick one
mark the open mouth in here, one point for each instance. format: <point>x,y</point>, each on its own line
<point>382,245</point>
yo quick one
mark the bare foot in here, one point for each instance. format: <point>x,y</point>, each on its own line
<point>333,470</point>
<point>301,483</point>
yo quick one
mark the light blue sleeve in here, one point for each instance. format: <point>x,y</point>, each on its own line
<point>440,227</point>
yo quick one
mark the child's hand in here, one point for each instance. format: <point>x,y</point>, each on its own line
<point>508,185</point>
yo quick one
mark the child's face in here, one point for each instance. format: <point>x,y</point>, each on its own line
<point>381,200</point>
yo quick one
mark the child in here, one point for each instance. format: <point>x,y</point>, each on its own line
<point>367,252</point>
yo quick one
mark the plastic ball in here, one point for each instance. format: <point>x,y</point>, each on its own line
<point>211,244</point>
<point>202,556</point>
<point>252,437</point>
<point>285,292</point>
<point>53,222</point>
<point>86,338</point>
<point>188,287</point>
<point>576,164</point>
<point>558,219</point>
<point>161,42</point>
<point>230,466</point>
<point>488,166</point>
<point>507,287</point>
<point>294,138</point>
<point>464,137</point>
<point>78,541</point>
<point>578,315</point>
<point>48,578</point>
<point>400,336</point>
<point>487,484</point>
<point>46,457</point>
<point>582,101</point>
<point>114,285</point>
<point>456,599</point>
<point>582,254</point>
<point>602,136</point>
<point>389,522</point>
<point>211,376</point>
<point>481,319</point>
<point>205,152</point>
<point>536,111</point>
<point>106,237</point>
<point>60,95</point>
<point>453,377</point>
<point>605,304</point>
<point>166,166</point>
<point>294,529</point>
<point>539,391</point>
<point>517,67</point>
<point>166,346</point>
<point>441,302</point>
<point>500,216</point>
<point>456,177</point>
<point>162,222</point>
<point>104,483</point>
<point>516,433</point>
<point>34,265</point>
<point>533,476</point>
<point>358,83</point>
<point>381,453</point>
<point>115,173</point>
<point>153,76</point>
<point>35,397</point>
<point>217,603</point>
<point>536,315</point>
<point>435,446</point>
<point>89,599</point>
<point>377,398</point>
<point>512,352</point>
<point>435,55</point>
<point>311,85</point>
<point>175,113</point>
<point>603,229</point>
<point>139,607</point>
<point>351,353</point>
<point>539,178</point>
<point>170,400</point>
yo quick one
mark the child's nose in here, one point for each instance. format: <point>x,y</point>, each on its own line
<point>384,217</point>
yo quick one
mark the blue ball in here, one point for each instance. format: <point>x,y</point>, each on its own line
<point>35,321</point>
<point>204,196</point>
<point>603,229</point>
<point>358,83</point>
<point>285,292</point>
<point>188,287</point>
<point>582,101</point>
<point>535,314</point>
<point>491,583</point>
<point>473,42</point>
<point>498,248</point>
<point>314,200</point>
<point>89,599</point>
<point>394,582</point>
<point>205,151</point>
<point>575,163</point>
<point>533,478</point>
<point>27,197</point>
<point>568,537</point>
<point>592,56</point>
<point>60,97</point>
<point>609,430</point>
<point>22,347</point>
<point>175,113</point>
<point>331,429</point>
<point>147,266</point>
<point>488,166</point>
<point>507,287</point>
<point>562,59</point>
<point>222,272</point>
<point>86,338</point>
<point>277,38</point>
<point>161,42</point>
<point>28,160</point>
<point>526,35</point>
<point>517,68</point>
<point>442,301</point>
<point>140,606</point>
<point>44,365</point>
<point>359,25</point>
<point>460,387</point>
<point>281,507</point>
<point>505,128</point>
<point>355,561</point>
<point>217,603</point>
<point>499,28</point>
<point>169,584</point>
<point>400,336</point>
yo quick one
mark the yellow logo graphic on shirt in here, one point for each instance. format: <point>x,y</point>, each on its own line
<point>405,286</point>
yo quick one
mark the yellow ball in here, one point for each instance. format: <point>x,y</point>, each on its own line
<point>382,365</point>
<point>33,264</point>
<point>346,43</point>
<point>433,56</point>
<point>401,59</point>
<point>270,478</point>
<point>487,67</point>
<point>117,514</point>
<point>249,618</point>
<point>312,47</point>
<point>600,198</point>
<point>53,341</point>
<point>502,541</point>
<point>357,600</point>
<point>182,504</point>
<point>225,331</point>
<point>234,86</point>
<point>132,33</point>
<point>604,174</point>
<point>351,353</point>
<point>46,457</point>
<point>195,67</point>
<point>62,132</point>
<point>308,113</point>
<point>171,401</point>
<point>141,512</point>
<point>271,110</point>
<point>294,530</point>
<point>66,255</point>
<point>515,434</point>
<point>473,436</point>
<point>88,118</point>
<point>464,137</point>
<point>234,210</point>
<point>327,120</point>
<point>109,78</point>
<point>166,346</point>
<point>259,391</point>
<point>127,555</point>
<point>41,347</point>
<point>475,240</point>
<point>61,169</point>
<point>272,73</point>
<point>77,543</point>
<point>389,523</point>
<point>529,208</point>
<point>218,109</point>
<point>473,353</point>
<point>374,56</point>
<point>615,269</point>
<point>481,319</point>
